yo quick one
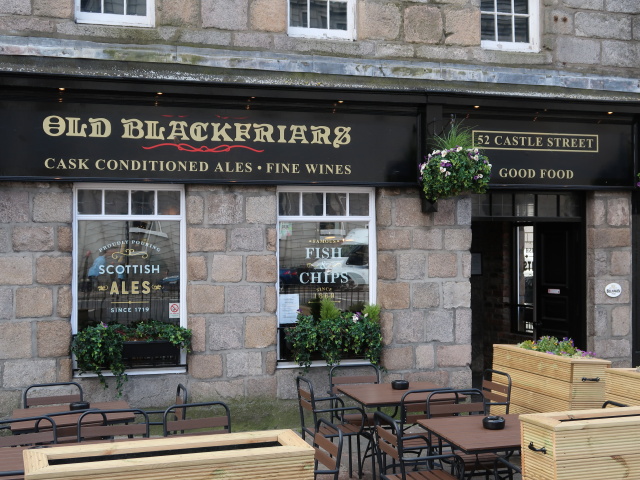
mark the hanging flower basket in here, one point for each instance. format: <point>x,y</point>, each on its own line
<point>454,167</point>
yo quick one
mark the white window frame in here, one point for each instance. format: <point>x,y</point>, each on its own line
<point>325,33</point>
<point>124,20</point>
<point>183,257</point>
<point>534,32</point>
<point>373,250</point>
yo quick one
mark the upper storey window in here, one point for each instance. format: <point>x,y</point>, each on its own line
<point>138,13</point>
<point>511,25</point>
<point>322,18</point>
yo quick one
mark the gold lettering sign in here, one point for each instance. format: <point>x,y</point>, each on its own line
<point>544,142</point>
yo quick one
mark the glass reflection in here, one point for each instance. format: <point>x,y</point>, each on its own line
<point>338,15</point>
<point>114,6</point>
<point>298,13</point>
<point>90,202</point>
<point>318,13</point>
<point>116,202</point>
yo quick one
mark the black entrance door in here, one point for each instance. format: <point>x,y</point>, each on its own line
<point>560,277</point>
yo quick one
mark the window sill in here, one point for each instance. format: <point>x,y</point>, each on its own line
<point>283,364</point>
<point>135,371</point>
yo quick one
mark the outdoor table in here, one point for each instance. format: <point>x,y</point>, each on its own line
<point>69,420</point>
<point>466,433</point>
<point>375,395</point>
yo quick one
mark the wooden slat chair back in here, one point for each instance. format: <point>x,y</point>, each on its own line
<point>466,401</point>
<point>310,413</point>
<point>55,398</point>
<point>44,432</point>
<point>397,463</point>
<point>181,418</point>
<point>327,443</point>
<point>340,375</point>
<point>94,425</point>
<point>412,411</point>
<point>496,387</point>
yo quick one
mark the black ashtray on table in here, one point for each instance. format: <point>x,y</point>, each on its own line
<point>493,422</point>
<point>400,384</point>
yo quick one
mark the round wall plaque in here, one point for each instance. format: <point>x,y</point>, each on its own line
<point>613,290</point>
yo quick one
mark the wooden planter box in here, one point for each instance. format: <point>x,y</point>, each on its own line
<point>594,444</point>
<point>623,385</point>
<point>542,382</point>
<point>273,454</point>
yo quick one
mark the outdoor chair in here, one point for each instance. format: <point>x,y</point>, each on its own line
<point>44,432</point>
<point>59,393</point>
<point>94,425</point>
<point>182,396</point>
<point>410,412</point>
<point>496,388</point>
<point>466,402</point>
<point>503,469</point>
<point>11,446</point>
<point>310,413</point>
<point>327,443</point>
<point>352,375</point>
<point>212,418</point>
<point>395,464</point>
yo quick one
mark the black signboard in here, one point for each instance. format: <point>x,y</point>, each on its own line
<point>107,142</point>
<point>556,153</point>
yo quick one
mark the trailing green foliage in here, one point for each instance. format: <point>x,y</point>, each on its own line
<point>100,347</point>
<point>336,334</point>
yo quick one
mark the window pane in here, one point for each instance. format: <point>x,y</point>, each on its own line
<point>114,6</point>
<point>521,6</point>
<point>358,204</point>
<point>547,205</point>
<point>142,202</point>
<point>336,204</point>
<point>501,205</point>
<point>289,203</point>
<point>127,271</point>
<point>487,6</point>
<point>525,205</point>
<point>116,202</point>
<point>168,203</point>
<point>137,7</point>
<point>298,13</point>
<point>504,6</point>
<point>313,265</point>
<point>488,27</point>
<point>312,204</point>
<point>90,202</point>
<point>92,6</point>
<point>522,29</point>
<point>481,205</point>
<point>505,33</point>
<point>569,206</point>
<point>338,15</point>
<point>318,13</point>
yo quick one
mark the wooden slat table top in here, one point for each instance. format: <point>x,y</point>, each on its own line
<point>467,433</point>
<point>71,419</point>
<point>382,395</point>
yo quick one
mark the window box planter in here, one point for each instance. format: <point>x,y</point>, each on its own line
<point>623,385</point>
<point>588,444</point>
<point>542,382</point>
<point>155,353</point>
<point>267,454</point>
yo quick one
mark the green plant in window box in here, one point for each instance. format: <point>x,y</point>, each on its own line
<point>454,166</point>
<point>336,334</point>
<point>100,347</point>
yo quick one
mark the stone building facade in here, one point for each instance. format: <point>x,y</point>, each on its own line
<point>438,316</point>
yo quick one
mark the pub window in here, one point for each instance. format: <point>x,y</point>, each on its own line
<point>322,18</point>
<point>116,12</point>
<point>510,25</point>
<point>326,249</point>
<point>129,257</point>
